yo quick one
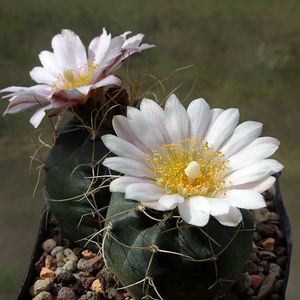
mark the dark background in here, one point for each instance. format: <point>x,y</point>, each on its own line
<point>246,54</point>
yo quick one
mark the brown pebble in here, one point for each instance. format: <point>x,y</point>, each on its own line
<point>281,261</point>
<point>97,286</point>
<point>88,254</point>
<point>66,293</point>
<point>268,244</point>
<point>47,274</point>
<point>256,281</point>
<point>48,261</point>
<point>263,263</point>
<point>279,251</point>
<point>267,230</point>
<point>94,264</point>
<point>267,255</point>
<point>40,263</point>
<point>262,215</point>
<point>86,279</point>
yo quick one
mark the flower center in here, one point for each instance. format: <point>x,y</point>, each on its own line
<point>76,78</point>
<point>189,168</point>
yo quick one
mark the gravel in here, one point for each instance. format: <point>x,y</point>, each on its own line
<point>64,272</point>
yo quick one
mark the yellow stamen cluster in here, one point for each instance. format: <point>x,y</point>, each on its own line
<point>70,79</point>
<point>189,168</point>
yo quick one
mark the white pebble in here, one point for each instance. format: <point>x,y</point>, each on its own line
<point>68,266</point>
<point>48,245</point>
<point>60,259</point>
<point>43,296</point>
<point>81,265</point>
<point>57,249</point>
<point>70,255</point>
<point>41,285</point>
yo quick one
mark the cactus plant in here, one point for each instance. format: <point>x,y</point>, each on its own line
<point>74,181</point>
<point>156,256</point>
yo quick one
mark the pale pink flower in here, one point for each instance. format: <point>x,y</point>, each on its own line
<point>68,74</point>
<point>198,160</point>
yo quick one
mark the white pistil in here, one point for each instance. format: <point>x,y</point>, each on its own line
<point>69,75</point>
<point>192,171</point>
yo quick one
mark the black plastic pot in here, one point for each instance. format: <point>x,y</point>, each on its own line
<point>30,275</point>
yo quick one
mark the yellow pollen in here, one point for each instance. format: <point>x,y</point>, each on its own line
<point>76,78</point>
<point>189,168</point>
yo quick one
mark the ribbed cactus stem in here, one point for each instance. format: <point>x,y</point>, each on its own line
<point>75,182</point>
<point>156,254</point>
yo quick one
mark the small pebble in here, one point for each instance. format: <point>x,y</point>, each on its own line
<point>90,296</point>
<point>43,296</point>
<point>48,245</point>
<point>88,254</point>
<point>278,286</point>
<point>266,230</point>
<point>97,286</point>
<point>47,274</point>
<point>70,255</point>
<point>274,218</point>
<point>275,270</point>
<point>262,215</point>
<point>267,288</point>
<point>57,249</point>
<point>250,267</point>
<point>48,261</point>
<point>267,255</point>
<point>81,264</point>
<point>40,263</point>
<point>94,264</point>
<point>66,293</point>
<point>243,283</point>
<point>60,259</point>
<point>275,297</point>
<point>41,285</point>
<point>256,281</point>
<point>86,279</point>
<point>68,266</point>
<point>268,244</point>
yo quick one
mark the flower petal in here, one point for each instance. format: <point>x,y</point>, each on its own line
<point>37,117</point>
<point>124,131</point>
<point>222,128</point>
<point>195,210</point>
<point>170,201</point>
<point>232,218</point>
<point>243,135</point>
<point>128,166</point>
<point>219,206</point>
<point>50,63</point>
<point>154,111</point>
<point>144,192</point>
<point>176,119</point>
<point>69,50</point>
<point>259,186</point>
<point>259,149</point>
<point>200,116</point>
<point>144,128</point>
<point>255,172</point>
<point>41,75</point>
<point>119,184</point>
<point>122,148</point>
<point>245,199</point>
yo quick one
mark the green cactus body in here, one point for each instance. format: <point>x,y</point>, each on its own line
<point>74,190</point>
<point>170,259</point>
